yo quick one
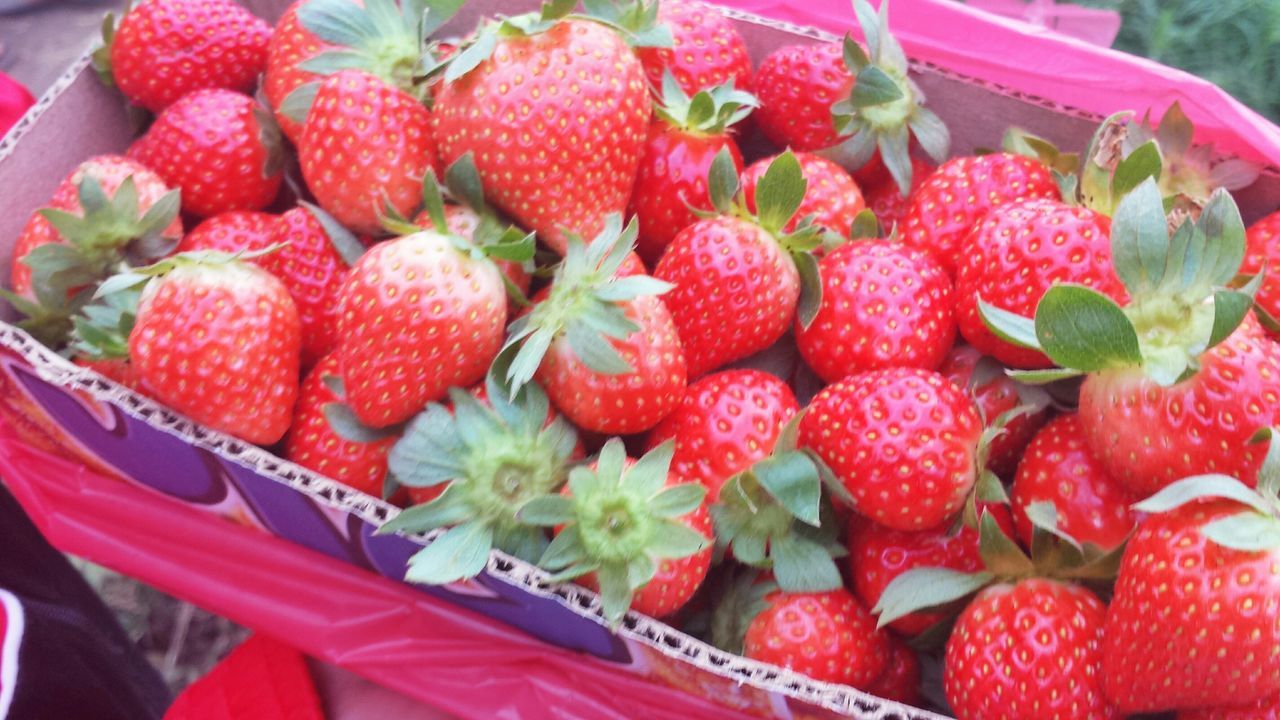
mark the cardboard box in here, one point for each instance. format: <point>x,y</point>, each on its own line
<point>118,478</point>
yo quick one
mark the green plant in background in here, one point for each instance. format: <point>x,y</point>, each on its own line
<point>1232,43</point>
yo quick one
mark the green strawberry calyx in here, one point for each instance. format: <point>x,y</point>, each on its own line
<point>637,20</point>
<point>380,37</point>
<point>777,198</point>
<point>586,304</point>
<point>1054,554</point>
<point>493,459</point>
<point>885,108</point>
<point>742,594</point>
<point>102,327</point>
<point>343,241</point>
<point>618,522</point>
<point>708,112</point>
<point>101,56</point>
<point>1256,527</point>
<point>773,516</point>
<point>1185,296</point>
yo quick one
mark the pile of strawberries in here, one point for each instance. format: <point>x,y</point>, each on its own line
<point>832,404</point>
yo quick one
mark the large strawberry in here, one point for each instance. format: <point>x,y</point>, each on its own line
<point>420,314</point>
<point>883,305</point>
<point>1157,365</point>
<point>315,444</point>
<point>829,637</point>
<point>220,147</point>
<point>902,442</point>
<point>738,276</point>
<point>632,529</point>
<point>218,340</point>
<point>1027,651</point>
<point>485,457</point>
<point>555,111</point>
<point>1195,619</point>
<point>797,85</point>
<point>685,137</point>
<point>706,49</point>
<point>164,49</point>
<point>726,422</point>
<point>1017,252</point>
<point>603,345</point>
<point>996,395</point>
<point>961,192</point>
<point>1058,474</point>
<point>830,196</point>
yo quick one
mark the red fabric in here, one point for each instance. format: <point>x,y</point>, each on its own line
<point>262,679</point>
<point>14,101</point>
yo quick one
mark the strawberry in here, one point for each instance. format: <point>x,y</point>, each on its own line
<point>1195,618</point>
<point>1017,252</point>
<point>706,49</point>
<point>419,314</point>
<point>996,394</point>
<point>830,195</point>
<point>887,201</point>
<point>743,266</point>
<point>632,529</point>
<point>219,147</point>
<point>1262,253</point>
<point>604,346</point>
<point>961,192</point>
<point>878,555</point>
<point>828,637</point>
<point>314,444</point>
<point>685,137</point>
<point>726,422</point>
<point>1057,471</point>
<point>231,232</point>
<point>1028,650</point>
<point>291,44</point>
<point>1264,709</point>
<point>900,680</point>
<point>474,464</point>
<point>555,111</point>
<point>797,85</point>
<point>226,323</point>
<point>883,305</point>
<point>877,429</point>
<point>165,49</point>
<point>1155,366</point>
<point>365,143</point>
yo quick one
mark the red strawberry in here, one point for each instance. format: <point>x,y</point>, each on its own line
<point>220,147</point>
<point>831,195</point>
<point>1017,252</point>
<point>737,283</point>
<point>418,316</point>
<point>632,529</point>
<point>726,422</point>
<point>1262,252</point>
<point>797,85</point>
<point>291,44</point>
<point>900,680</point>
<point>603,346</point>
<point>878,555</point>
<point>313,443</point>
<point>672,178</point>
<point>366,144</point>
<point>1057,469</point>
<point>996,394</point>
<point>1195,618</point>
<point>232,231</point>
<point>165,49</point>
<point>233,328</point>
<point>109,172</point>
<point>556,119</point>
<point>885,198</point>
<point>1265,709</point>
<point>961,192</point>
<point>903,442</point>
<point>883,305</point>
<point>828,637</point>
<point>707,50</point>
<point>1028,651</point>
